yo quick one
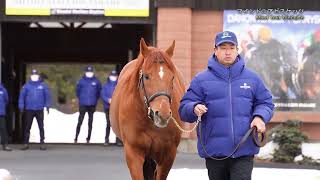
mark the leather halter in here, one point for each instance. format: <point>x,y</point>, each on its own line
<point>147,99</point>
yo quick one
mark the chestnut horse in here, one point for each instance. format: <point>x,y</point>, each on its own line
<point>144,103</point>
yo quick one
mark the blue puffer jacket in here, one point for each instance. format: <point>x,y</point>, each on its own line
<point>233,97</point>
<point>88,91</point>
<point>35,95</point>
<point>107,91</point>
<point>3,100</point>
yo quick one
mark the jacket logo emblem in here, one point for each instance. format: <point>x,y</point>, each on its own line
<point>1,92</point>
<point>94,83</point>
<point>245,86</point>
<point>40,87</point>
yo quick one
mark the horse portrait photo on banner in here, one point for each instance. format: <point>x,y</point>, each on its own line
<point>284,54</point>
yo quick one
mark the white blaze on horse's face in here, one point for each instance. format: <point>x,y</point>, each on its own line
<point>161,73</point>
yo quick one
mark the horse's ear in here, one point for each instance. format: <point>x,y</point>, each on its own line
<point>169,51</point>
<point>143,48</point>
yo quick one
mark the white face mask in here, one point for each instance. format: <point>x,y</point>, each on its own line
<point>113,78</point>
<point>34,77</point>
<point>89,74</point>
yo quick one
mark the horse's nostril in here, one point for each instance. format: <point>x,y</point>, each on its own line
<point>156,113</point>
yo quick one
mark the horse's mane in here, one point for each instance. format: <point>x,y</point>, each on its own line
<point>155,56</point>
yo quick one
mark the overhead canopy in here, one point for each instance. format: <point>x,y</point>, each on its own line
<point>111,11</point>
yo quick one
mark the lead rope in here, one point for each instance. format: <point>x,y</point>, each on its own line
<point>186,130</point>
<point>252,131</point>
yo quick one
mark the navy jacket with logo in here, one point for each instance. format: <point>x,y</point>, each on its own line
<point>107,91</point>
<point>233,97</point>
<point>3,100</point>
<point>35,95</point>
<point>88,91</point>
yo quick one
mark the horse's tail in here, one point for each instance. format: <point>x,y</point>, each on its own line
<point>149,168</point>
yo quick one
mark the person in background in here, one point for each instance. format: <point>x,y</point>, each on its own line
<point>106,94</point>
<point>34,97</point>
<point>4,99</point>
<point>230,99</point>
<point>88,92</point>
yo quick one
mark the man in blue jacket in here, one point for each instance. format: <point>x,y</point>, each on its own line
<point>231,99</point>
<point>88,92</point>
<point>3,127</point>
<point>106,94</point>
<point>33,98</point>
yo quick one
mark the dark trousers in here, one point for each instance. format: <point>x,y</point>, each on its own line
<point>108,128</point>
<point>108,125</point>
<point>230,169</point>
<point>3,131</point>
<point>82,112</point>
<point>29,115</point>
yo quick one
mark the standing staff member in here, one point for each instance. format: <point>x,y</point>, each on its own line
<point>88,92</point>
<point>3,127</point>
<point>106,94</point>
<point>34,97</point>
<point>231,99</point>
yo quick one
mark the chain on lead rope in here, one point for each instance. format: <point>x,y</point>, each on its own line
<point>187,130</point>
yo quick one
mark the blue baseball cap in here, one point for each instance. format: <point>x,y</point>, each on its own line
<point>226,36</point>
<point>34,71</point>
<point>89,69</point>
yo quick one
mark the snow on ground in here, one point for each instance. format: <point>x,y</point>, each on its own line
<point>5,174</point>
<point>308,149</point>
<point>257,174</point>
<point>61,128</point>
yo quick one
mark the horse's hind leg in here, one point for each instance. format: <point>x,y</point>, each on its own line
<point>135,159</point>
<point>149,167</point>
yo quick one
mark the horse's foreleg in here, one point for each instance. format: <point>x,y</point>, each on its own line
<point>165,165</point>
<point>135,159</point>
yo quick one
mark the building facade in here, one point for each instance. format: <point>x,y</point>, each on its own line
<point>193,24</point>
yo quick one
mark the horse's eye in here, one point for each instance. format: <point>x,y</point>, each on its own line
<point>146,77</point>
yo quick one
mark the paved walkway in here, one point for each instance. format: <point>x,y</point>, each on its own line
<point>82,162</point>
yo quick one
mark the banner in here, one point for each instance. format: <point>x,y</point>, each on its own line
<point>122,8</point>
<point>283,47</point>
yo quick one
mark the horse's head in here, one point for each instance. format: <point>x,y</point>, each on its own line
<point>156,77</point>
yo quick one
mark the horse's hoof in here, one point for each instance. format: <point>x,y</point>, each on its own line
<point>119,144</point>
